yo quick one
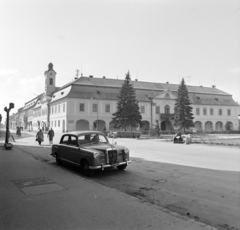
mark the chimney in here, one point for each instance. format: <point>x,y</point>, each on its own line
<point>136,79</point>
<point>103,77</point>
<point>91,76</point>
<point>167,82</point>
<point>213,86</point>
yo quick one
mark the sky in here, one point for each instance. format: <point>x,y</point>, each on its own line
<point>156,40</point>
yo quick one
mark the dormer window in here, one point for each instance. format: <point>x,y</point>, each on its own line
<point>62,93</point>
<point>167,96</point>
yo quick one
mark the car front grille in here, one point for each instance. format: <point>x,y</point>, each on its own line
<point>111,155</point>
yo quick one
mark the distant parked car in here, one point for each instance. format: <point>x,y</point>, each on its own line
<point>91,150</point>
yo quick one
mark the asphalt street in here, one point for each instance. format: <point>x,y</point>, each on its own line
<point>36,195</point>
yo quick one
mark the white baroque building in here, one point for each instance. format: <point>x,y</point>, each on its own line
<point>87,103</point>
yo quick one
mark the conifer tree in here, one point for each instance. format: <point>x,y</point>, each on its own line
<point>183,117</point>
<point>128,114</point>
<point>228,126</point>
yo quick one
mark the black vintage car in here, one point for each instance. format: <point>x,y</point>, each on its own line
<point>91,150</point>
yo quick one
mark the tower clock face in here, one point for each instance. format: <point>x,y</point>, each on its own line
<point>50,73</point>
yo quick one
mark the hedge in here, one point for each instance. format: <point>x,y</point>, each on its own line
<point>128,134</point>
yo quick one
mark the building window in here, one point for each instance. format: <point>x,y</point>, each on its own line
<point>55,109</point>
<point>204,111</point>
<point>82,107</point>
<point>211,111</point>
<point>59,108</point>
<point>55,123</point>
<point>50,81</point>
<point>197,111</point>
<point>142,109</point>
<point>220,112</point>
<point>229,112</point>
<point>107,108</point>
<point>58,123</point>
<point>157,109</point>
<point>167,109</point>
<point>52,110</point>
<point>167,96</point>
<point>95,108</point>
<point>63,107</point>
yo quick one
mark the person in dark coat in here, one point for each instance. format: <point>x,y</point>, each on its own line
<point>18,132</point>
<point>50,136</point>
<point>40,137</point>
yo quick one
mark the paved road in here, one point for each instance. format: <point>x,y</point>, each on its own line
<point>35,193</point>
<point>207,192</point>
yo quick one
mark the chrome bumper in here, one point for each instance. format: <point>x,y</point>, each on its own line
<point>102,166</point>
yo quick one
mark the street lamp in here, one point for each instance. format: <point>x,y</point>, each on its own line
<point>7,110</point>
<point>150,97</point>
<point>98,92</point>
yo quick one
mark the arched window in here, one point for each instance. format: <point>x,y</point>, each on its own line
<point>167,109</point>
<point>50,81</point>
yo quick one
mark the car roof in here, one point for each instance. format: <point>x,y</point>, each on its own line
<point>78,133</point>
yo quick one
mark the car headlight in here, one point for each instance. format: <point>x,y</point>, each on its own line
<point>96,154</point>
<point>126,150</point>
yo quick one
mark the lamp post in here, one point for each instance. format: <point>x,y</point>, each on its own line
<point>7,110</point>
<point>98,92</point>
<point>150,97</point>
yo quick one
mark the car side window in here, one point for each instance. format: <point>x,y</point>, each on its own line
<point>64,140</point>
<point>73,141</point>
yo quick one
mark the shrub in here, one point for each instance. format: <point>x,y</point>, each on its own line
<point>128,134</point>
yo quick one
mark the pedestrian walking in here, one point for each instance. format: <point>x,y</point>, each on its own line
<point>40,137</point>
<point>50,136</point>
<point>18,132</point>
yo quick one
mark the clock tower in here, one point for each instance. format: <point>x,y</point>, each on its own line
<point>50,80</point>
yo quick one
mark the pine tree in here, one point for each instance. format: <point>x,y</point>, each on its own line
<point>228,126</point>
<point>183,111</point>
<point>128,114</point>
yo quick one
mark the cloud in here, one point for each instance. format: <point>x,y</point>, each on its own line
<point>235,70</point>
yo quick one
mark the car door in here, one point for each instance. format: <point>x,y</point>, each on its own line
<point>63,146</point>
<point>73,149</point>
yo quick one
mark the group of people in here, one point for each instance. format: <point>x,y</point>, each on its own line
<point>40,136</point>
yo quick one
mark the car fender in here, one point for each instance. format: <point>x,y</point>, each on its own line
<point>55,150</point>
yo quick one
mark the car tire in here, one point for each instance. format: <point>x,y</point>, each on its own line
<point>85,169</point>
<point>58,160</point>
<point>122,167</point>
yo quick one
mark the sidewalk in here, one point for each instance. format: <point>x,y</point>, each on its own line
<point>39,195</point>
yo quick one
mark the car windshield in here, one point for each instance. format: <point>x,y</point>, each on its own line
<point>89,139</point>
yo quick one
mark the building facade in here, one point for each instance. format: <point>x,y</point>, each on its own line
<point>87,103</point>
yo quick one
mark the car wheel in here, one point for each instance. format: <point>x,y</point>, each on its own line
<point>122,167</point>
<point>58,160</point>
<point>85,169</point>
